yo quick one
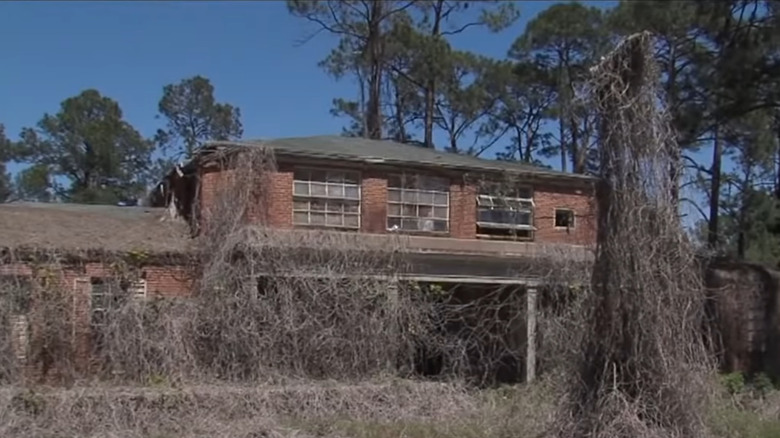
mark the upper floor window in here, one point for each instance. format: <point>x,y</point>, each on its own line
<point>328,198</point>
<point>418,203</point>
<point>507,214</point>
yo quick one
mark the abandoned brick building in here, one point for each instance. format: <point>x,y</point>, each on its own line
<point>466,221</point>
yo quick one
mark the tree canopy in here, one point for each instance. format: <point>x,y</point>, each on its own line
<point>86,152</point>
<point>192,116</point>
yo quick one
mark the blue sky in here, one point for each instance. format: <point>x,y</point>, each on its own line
<point>130,50</point>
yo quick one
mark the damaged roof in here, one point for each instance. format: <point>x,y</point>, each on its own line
<point>80,227</point>
<point>388,152</point>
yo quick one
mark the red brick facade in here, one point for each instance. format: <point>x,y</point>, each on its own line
<point>275,209</point>
<point>75,282</point>
<point>463,209</point>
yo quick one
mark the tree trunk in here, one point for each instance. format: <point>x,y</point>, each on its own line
<point>575,146</point>
<point>529,139</point>
<point>363,109</point>
<point>430,88</point>
<point>741,235</point>
<point>562,131</point>
<point>399,113</point>
<point>777,157</point>
<point>675,153</point>
<point>374,117</point>
<point>712,228</point>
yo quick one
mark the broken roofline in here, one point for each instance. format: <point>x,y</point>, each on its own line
<point>221,149</point>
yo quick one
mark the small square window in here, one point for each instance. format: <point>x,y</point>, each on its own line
<point>564,218</point>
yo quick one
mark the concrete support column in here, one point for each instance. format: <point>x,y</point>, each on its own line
<point>392,302</point>
<point>530,358</point>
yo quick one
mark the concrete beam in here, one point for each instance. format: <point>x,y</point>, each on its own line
<point>530,359</point>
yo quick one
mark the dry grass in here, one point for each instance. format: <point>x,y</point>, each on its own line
<point>382,409</point>
<point>390,408</point>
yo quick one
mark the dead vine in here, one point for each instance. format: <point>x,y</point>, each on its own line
<point>640,370</point>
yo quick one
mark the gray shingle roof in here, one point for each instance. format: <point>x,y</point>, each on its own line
<point>390,152</point>
<point>90,227</point>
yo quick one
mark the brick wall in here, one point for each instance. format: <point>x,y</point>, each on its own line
<point>463,210</point>
<point>74,283</point>
<point>549,198</point>
<point>280,198</point>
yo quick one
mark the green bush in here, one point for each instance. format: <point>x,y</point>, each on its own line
<point>762,384</point>
<point>733,382</point>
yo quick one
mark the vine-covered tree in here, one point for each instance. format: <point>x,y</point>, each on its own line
<point>85,153</point>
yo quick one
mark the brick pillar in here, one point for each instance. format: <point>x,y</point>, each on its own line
<point>280,199</point>
<point>373,216</point>
<point>463,211</point>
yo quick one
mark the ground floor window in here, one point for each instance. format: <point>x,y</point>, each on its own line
<point>16,293</point>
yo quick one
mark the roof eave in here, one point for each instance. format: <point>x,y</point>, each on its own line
<point>470,169</point>
<point>211,147</point>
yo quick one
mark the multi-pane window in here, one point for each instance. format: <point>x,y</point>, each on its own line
<point>104,295</point>
<point>137,289</point>
<point>418,203</point>
<point>508,214</point>
<point>326,198</point>
<point>107,295</point>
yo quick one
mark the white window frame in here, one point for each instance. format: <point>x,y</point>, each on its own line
<point>338,197</point>
<point>490,201</point>
<point>409,197</point>
<point>573,218</point>
<point>92,295</point>
<point>138,289</point>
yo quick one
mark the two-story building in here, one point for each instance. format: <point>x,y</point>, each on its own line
<point>464,222</point>
<point>467,224</point>
<point>472,218</point>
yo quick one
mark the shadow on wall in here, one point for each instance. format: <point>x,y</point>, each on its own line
<point>483,332</point>
<point>744,316</point>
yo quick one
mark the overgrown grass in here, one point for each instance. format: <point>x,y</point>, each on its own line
<point>733,422</point>
<point>381,409</point>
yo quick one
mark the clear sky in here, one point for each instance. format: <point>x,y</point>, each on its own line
<point>130,50</point>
